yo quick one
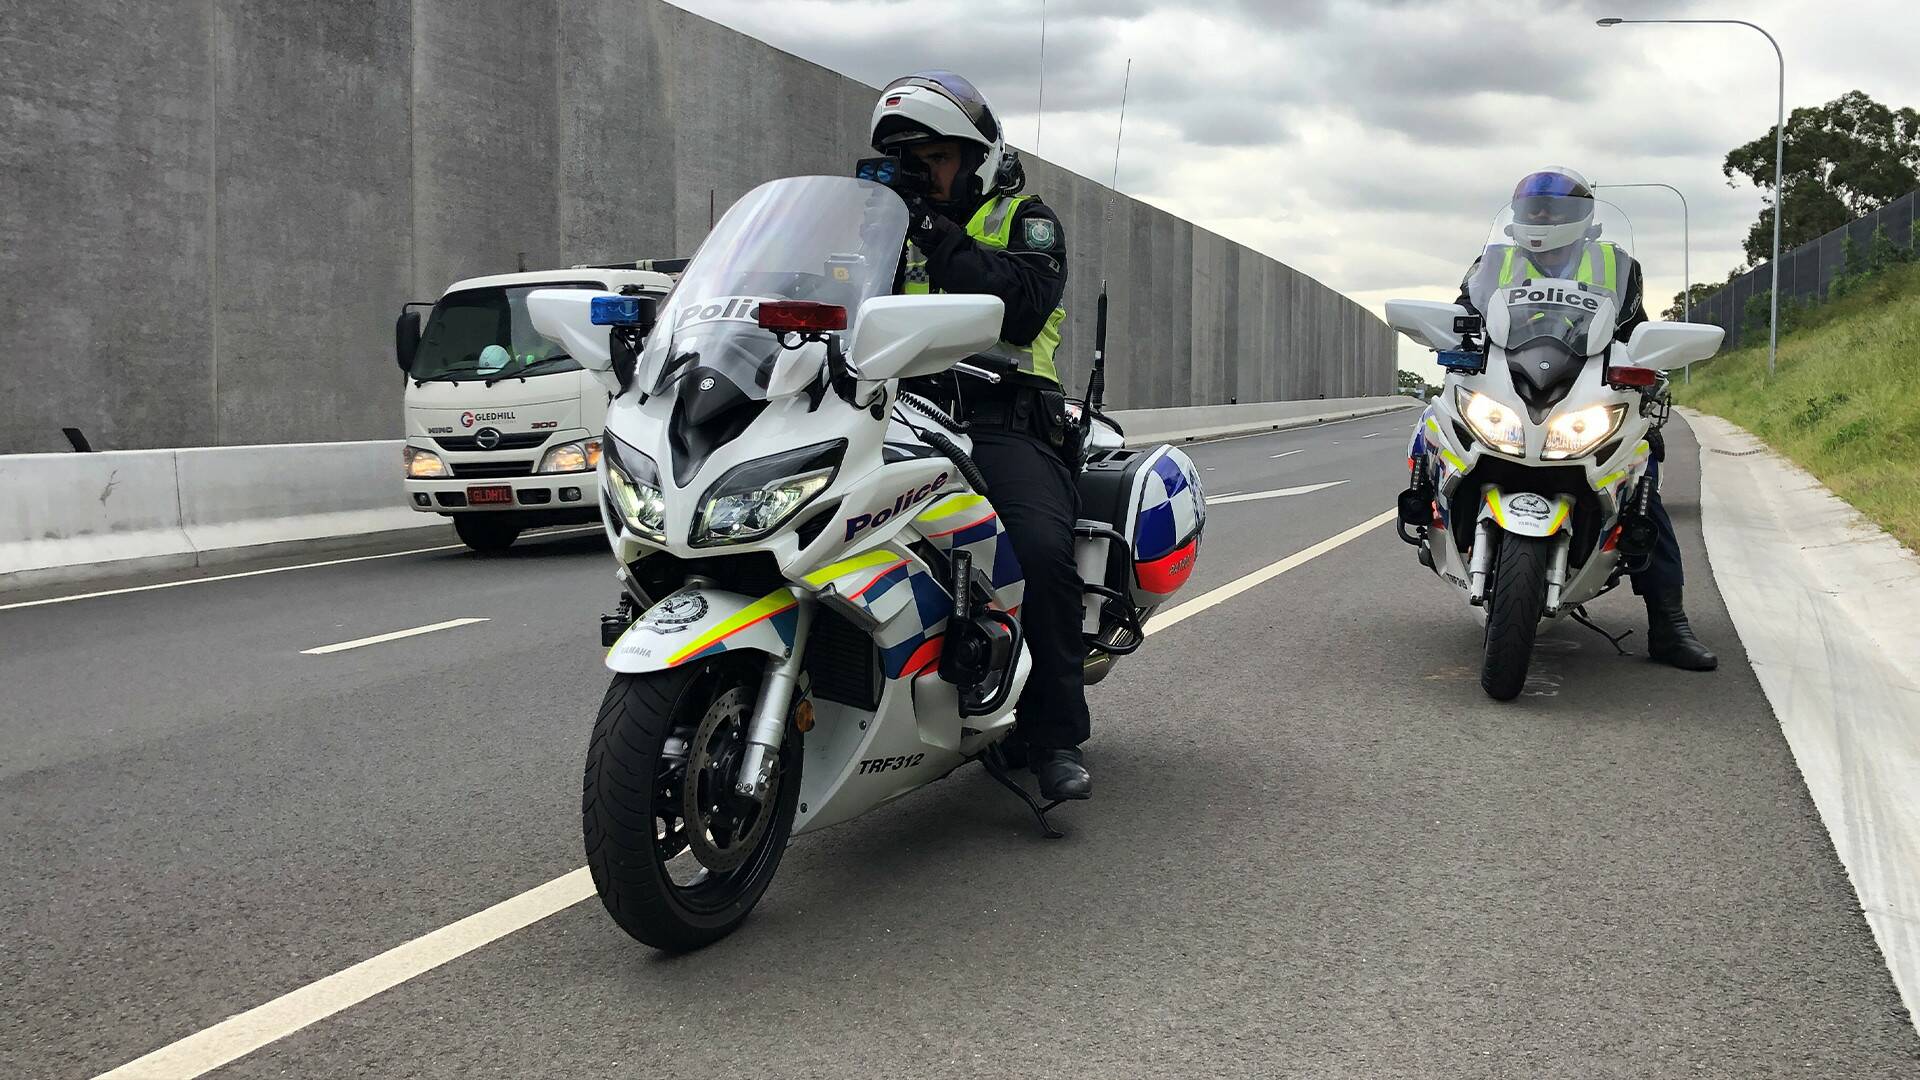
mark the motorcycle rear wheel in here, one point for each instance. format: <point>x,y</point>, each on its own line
<point>642,848</point>
<point>1517,596</point>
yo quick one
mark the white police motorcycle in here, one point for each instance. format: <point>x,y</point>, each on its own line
<point>1529,469</point>
<point>820,608</point>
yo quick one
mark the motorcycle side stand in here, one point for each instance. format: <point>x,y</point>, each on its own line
<point>1579,615</point>
<point>996,766</point>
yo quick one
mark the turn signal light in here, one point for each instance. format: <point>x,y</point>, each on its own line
<point>801,316</point>
<point>1627,375</point>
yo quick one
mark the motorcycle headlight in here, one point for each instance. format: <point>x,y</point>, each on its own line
<point>422,464</point>
<point>1577,432</point>
<point>754,499</point>
<point>633,483</point>
<point>581,456</point>
<point>1495,424</point>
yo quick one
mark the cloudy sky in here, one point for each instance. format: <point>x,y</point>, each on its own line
<point>1370,142</point>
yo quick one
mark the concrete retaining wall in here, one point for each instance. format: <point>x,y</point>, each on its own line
<point>214,210</point>
<point>70,517</point>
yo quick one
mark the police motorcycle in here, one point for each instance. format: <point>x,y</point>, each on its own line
<point>1529,487</point>
<point>820,608</point>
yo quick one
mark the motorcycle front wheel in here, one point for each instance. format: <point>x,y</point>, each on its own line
<point>678,859</point>
<point>1515,599</point>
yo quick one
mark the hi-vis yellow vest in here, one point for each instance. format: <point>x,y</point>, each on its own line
<point>1516,266</point>
<point>992,226</point>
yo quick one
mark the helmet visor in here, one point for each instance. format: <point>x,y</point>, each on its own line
<point>962,93</point>
<point>1551,198</point>
<point>1551,209</point>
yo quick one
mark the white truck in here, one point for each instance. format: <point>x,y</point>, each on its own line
<point>503,427</point>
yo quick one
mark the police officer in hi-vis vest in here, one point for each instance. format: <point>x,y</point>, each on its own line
<point>975,233</point>
<point>1552,216</point>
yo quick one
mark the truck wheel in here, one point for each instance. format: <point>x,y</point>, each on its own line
<point>1514,604</point>
<point>485,533</point>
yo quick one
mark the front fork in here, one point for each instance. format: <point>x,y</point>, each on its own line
<point>1482,565</point>
<point>770,715</point>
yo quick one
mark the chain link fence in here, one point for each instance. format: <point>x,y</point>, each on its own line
<point>1807,272</point>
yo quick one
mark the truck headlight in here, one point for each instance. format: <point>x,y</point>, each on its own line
<point>579,456</point>
<point>422,464</point>
<point>633,483</point>
<point>1577,432</point>
<point>756,498</point>
<point>1495,424</point>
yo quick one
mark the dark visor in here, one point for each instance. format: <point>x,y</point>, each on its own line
<point>961,92</point>
<point>1550,183</point>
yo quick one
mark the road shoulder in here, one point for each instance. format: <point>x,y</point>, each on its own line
<point>1823,601</point>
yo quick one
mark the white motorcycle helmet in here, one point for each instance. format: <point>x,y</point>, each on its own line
<point>934,105</point>
<point>1552,208</point>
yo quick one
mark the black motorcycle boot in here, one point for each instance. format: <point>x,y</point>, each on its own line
<point>1670,638</point>
<point>1062,773</point>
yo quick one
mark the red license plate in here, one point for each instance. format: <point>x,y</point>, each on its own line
<point>490,495</point>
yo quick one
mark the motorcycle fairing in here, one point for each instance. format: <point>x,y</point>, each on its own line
<point>1525,514</point>
<point>699,622</point>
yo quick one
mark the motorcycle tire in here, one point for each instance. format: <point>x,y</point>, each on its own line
<point>630,800</point>
<point>1517,596</point>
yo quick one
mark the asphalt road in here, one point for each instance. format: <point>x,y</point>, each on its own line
<point>1316,848</point>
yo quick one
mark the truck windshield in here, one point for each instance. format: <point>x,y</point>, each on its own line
<point>485,334</point>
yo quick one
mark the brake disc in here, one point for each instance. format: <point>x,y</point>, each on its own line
<point>723,828</point>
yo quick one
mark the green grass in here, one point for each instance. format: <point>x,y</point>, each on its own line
<point>1845,402</point>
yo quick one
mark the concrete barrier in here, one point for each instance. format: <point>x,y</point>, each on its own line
<point>293,492</point>
<point>70,517</point>
<point>1195,423</point>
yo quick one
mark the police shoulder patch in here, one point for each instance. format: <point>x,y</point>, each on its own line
<point>1041,233</point>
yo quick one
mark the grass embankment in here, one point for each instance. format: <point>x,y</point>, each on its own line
<point>1845,402</point>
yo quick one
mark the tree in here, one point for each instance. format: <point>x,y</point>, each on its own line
<point>1412,384</point>
<point>1698,292</point>
<point>1846,158</point>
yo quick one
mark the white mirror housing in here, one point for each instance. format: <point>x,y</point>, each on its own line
<point>903,337</point>
<point>1664,346</point>
<point>565,317</point>
<point>1428,322</point>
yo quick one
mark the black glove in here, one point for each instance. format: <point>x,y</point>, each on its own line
<point>926,227</point>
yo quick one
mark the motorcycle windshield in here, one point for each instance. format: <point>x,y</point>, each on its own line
<point>1507,260</point>
<point>827,239</point>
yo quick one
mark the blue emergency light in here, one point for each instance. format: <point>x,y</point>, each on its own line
<point>616,311</point>
<point>1462,361</point>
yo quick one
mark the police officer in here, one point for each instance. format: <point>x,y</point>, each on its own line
<point>973,232</point>
<point>1552,219</point>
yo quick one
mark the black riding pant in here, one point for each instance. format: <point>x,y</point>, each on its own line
<point>1038,501</point>
<point>1663,568</point>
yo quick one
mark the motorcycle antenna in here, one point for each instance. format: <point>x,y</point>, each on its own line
<point>1040,104</point>
<point>1097,380</point>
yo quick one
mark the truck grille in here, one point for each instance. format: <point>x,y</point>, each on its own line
<point>492,470</point>
<point>525,440</point>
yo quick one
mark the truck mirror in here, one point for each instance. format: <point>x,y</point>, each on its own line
<point>406,339</point>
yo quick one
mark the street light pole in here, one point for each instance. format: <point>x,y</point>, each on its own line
<point>1686,256</point>
<point>1779,160</point>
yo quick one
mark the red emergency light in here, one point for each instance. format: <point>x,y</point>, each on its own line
<point>801,316</point>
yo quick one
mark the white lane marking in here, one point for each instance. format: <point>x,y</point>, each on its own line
<point>272,570</point>
<point>1179,613</point>
<point>1289,430</point>
<point>238,1036</point>
<point>394,636</point>
<point>1289,453</point>
<point>1281,493</point>
<point>1372,434</point>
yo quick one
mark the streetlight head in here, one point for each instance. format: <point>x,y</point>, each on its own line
<point>1609,22</point>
